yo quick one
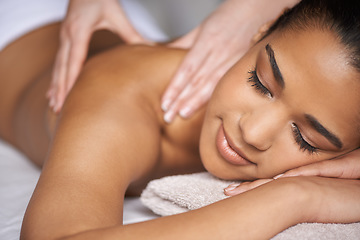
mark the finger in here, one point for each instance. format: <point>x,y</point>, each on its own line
<point>78,53</point>
<point>76,57</point>
<point>198,54</point>
<point>200,96</point>
<point>195,92</point>
<point>235,189</point>
<point>189,65</point>
<point>59,72</point>
<point>193,97</point>
<point>175,107</point>
<point>191,102</point>
<point>344,167</point>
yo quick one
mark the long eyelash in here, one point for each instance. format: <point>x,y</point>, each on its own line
<point>256,83</point>
<point>305,146</point>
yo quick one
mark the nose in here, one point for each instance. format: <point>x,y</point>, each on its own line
<point>262,126</point>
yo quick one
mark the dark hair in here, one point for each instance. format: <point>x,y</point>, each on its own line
<point>339,16</point>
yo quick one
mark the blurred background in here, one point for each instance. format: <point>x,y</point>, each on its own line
<point>172,17</point>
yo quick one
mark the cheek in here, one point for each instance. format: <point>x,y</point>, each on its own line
<point>234,94</point>
<point>283,155</point>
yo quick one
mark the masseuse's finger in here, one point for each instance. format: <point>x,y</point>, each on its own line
<point>195,87</point>
<point>59,71</point>
<point>76,59</point>
<point>76,54</point>
<point>82,20</point>
<point>198,92</point>
<point>197,77</point>
<point>235,189</point>
<point>192,61</point>
<point>191,101</point>
<point>346,166</point>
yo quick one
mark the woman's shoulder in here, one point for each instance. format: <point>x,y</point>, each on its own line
<point>137,76</point>
<point>151,63</point>
<point>121,89</point>
<point>130,73</point>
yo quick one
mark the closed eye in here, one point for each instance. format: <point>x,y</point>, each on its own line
<point>304,145</point>
<point>256,83</point>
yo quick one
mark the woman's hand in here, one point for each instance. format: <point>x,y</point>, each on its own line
<point>83,18</point>
<point>346,166</point>
<point>215,45</point>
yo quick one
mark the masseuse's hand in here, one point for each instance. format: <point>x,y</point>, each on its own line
<point>83,18</point>
<point>215,46</point>
<point>346,167</point>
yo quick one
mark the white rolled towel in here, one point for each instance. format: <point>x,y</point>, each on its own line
<point>182,193</point>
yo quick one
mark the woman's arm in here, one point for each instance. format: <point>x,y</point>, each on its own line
<point>257,214</point>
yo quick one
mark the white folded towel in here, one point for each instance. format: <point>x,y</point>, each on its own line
<point>182,193</point>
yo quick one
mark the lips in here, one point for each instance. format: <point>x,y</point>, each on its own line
<point>228,152</point>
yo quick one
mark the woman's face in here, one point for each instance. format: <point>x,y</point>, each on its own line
<point>290,101</point>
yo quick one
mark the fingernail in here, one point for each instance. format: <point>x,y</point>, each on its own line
<point>52,102</point>
<point>57,106</point>
<point>57,109</point>
<point>168,117</point>
<point>278,176</point>
<point>165,105</point>
<point>185,112</point>
<point>232,187</point>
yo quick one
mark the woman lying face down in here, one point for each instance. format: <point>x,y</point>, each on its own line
<point>291,100</point>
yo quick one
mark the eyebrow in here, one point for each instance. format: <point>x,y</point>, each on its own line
<point>275,68</point>
<point>323,131</point>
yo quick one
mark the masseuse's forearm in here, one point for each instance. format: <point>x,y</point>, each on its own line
<point>257,214</point>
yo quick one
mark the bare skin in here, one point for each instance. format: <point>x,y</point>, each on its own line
<point>100,151</point>
<point>175,143</point>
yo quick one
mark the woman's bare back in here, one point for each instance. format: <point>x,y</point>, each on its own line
<point>110,138</point>
<point>27,122</point>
